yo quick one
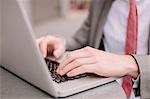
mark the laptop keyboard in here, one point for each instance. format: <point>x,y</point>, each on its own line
<point>52,66</point>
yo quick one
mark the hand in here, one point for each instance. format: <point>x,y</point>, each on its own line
<point>90,60</point>
<point>51,44</point>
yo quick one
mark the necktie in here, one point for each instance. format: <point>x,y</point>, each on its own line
<point>131,42</point>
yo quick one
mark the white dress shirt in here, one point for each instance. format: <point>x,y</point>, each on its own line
<point>116,27</point>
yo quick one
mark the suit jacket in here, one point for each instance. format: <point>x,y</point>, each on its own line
<point>91,32</point>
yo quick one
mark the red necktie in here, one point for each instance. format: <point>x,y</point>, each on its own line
<point>131,42</point>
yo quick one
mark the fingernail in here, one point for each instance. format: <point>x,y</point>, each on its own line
<point>57,71</point>
<point>44,55</point>
<point>56,55</point>
<point>69,74</point>
<point>61,73</point>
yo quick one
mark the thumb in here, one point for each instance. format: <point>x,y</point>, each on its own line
<point>58,52</point>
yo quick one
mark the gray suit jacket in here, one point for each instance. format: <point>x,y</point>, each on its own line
<point>91,32</point>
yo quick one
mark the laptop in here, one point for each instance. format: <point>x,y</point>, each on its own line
<point>21,56</point>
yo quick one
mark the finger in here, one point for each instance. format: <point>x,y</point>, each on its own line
<point>38,41</point>
<point>72,56</point>
<point>75,64</point>
<point>80,70</point>
<point>59,51</point>
<point>43,47</point>
<point>57,44</point>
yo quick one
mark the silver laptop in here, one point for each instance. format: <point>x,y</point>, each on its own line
<point>21,56</point>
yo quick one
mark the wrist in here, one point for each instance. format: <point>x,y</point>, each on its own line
<point>131,67</point>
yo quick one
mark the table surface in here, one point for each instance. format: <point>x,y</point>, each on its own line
<point>12,87</point>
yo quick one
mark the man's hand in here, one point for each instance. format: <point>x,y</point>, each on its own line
<point>90,60</point>
<point>51,44</point>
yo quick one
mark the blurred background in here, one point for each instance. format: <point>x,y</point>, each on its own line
<point>56,17</point>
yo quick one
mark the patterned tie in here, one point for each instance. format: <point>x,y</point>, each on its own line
<point>131,42</point>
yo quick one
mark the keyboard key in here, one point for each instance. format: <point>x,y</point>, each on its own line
<point>52,66</point>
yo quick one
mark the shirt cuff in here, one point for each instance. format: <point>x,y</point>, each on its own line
<point>136,82</point>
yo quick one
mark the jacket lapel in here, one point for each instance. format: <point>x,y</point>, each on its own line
<point>95,13</point>
<point>149,42</point>
<point>101,23</point>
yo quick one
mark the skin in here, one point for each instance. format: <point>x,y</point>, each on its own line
<point>88,60</point>
<point>51,44</point>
